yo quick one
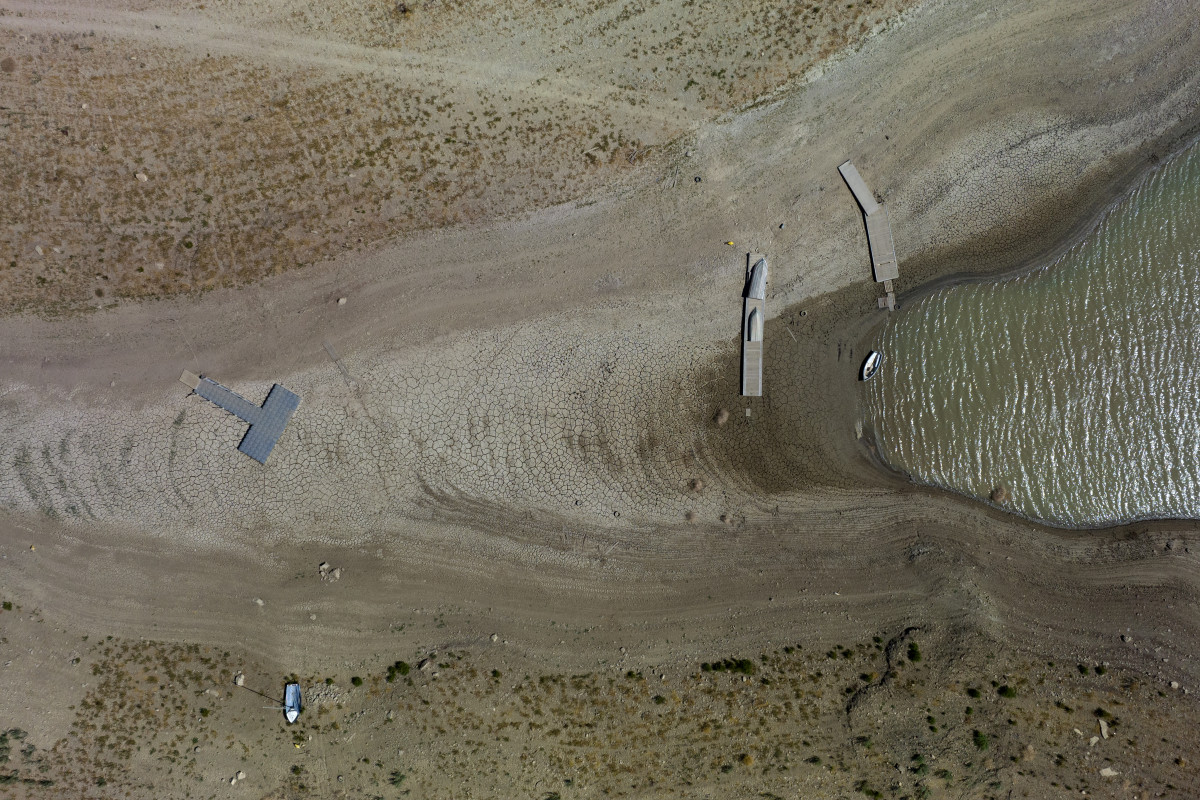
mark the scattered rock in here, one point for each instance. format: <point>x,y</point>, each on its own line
<point>336,574</point>
<point>1092,741</point>
<point>258,601</point>
<point>323,568</point>
<point>1000,494</point>
<point>1125,637</point>
<point>38,250</point>
<point>725,518</point>
<point>696,485</point>
<point>1108,772</point>
<point>312,617</point>
<point>233,781</point>
<point>690,516</point>
<point>722,417</point>
<point>143,177</point>
<point>341,301</point>
<point>241,776</point>
<point>1174,684</point>
<point>1028,753</point>
<point>1103,728</point>
<point>495,637</point>
<point>239,679</point>
<point>425,663</point>
<point>391,715</point>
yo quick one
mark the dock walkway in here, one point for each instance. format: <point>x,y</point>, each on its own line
<point>879,233</point>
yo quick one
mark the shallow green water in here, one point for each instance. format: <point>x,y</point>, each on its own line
<point>1075,385</point>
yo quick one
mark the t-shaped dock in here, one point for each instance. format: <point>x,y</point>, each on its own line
<point>266,422</point>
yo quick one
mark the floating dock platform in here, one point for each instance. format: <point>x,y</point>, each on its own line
<point>879,234</point>
<point>754,311</point>
<point>266,421</point>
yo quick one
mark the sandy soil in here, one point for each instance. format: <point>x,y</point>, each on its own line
<point>517,464</point>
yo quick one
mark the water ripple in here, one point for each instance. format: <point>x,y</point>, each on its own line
<point>1074,386</point>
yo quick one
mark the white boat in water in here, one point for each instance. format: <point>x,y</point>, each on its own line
<point>871,365</point>
<point>291,702</point>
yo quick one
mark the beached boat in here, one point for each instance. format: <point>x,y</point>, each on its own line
<point>871,365</point>
<point>291,702</point>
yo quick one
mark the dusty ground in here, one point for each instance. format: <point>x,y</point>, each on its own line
<point>524,442</point>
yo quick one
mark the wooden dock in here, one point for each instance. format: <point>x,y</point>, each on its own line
<point>754,311</point>
<point>879,234</point>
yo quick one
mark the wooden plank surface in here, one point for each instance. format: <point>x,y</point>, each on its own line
<point>883,249</point>
<point>859,187</point>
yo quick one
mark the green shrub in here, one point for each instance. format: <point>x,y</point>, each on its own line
<point>357,681</point>
<point>980,739</point>
<point>1006,691</point>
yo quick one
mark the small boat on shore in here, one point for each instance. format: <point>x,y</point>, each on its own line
<point>871,365</point>
<point>291,702</point>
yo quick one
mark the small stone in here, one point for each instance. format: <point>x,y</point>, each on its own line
<point>336,574</point>
<point>312,617</point>
<point>1103,728</point>
<point>781,225</point>
<point>722,417</point>
<point>690,516</point>
<point>196,749</point>
<point>1092,741</point>
<point>341,301</point>
<point>323,568</point>
<point>696,485</point>
<point>1108,772</point>
<point>258,601</point>
<point>143,177</point>
<point>1174,684</point>
<point>239,679</point>
<point>425,663</point>
<point>241,776</point>
<point>233,781</point>
<point>1125,637</point>
<point>495,637</point>
<point>391,715</point>
<point>38,250</point>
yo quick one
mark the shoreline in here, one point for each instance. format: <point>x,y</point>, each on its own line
<point>1129,181</point>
